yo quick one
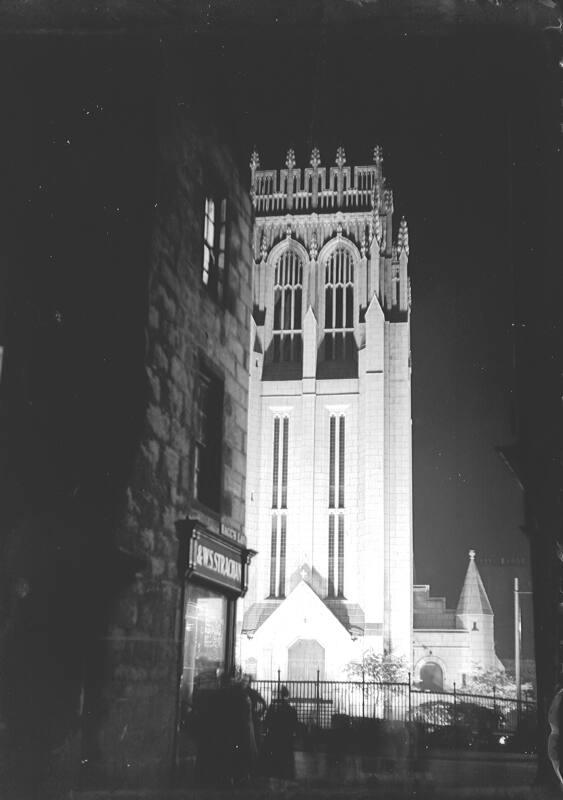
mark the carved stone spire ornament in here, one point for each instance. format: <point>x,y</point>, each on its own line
<point>314,247</point>
<point>288,231</point>
<point>340,161</point>
<point>315,163</point>
<point>290,158</point>
<point>290,164</point>
<point>388,200</point>
<point>254,165</point>
<point>264,246</point>
<point>378,155</point>
<point>375,196</point>
<point>375,224</point>
<point>364,244</point>
<point>315,158</point>
<point>403,236</point>
<point>254,160</point>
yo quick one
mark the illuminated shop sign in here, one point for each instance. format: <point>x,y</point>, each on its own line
<point>210,559</point>
<point>215,560</point>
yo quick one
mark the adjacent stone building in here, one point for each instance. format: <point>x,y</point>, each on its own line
<point>329,500</point>
<point>450,645</point>
<point>189,475</point>
<point>124,412</point>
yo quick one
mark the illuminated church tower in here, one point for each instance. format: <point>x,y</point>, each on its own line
<point>329,498</point>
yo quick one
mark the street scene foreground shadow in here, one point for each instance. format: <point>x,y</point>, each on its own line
<point>445,775</point>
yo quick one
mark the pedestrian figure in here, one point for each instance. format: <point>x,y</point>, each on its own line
<point>244,751</point>
<point>258,711</point>
<point>554,717</point>
<point>281,726</point>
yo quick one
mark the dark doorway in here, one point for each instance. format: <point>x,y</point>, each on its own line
<point>432,676</point>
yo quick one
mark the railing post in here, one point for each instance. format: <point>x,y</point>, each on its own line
<point>455,716</point>
<point>363,694</point>
<point>279,682</point>
<point>410,699</point>
<point>318,702</point>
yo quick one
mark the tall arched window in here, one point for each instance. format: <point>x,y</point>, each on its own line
<point>339,305</point>
<point>288,291</point>
<point>336,509</point>
<point>278,540</point>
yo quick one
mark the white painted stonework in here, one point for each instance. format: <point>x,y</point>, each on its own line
<point>303,616</point>
<point>367,603</point>
<point>458,641</point>
<point>330,357</point>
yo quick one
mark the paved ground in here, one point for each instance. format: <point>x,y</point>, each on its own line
<point>445,776</point>
<point>441,768</point>
<point>381,791</point>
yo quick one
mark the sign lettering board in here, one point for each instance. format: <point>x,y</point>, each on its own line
<point>215,560</point>
<point>233,533</point>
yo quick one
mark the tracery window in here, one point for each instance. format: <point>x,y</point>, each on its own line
<point>288,293</point>
<point>339,305</point>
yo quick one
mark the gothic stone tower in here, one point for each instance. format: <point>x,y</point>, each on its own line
<point>329,500</point>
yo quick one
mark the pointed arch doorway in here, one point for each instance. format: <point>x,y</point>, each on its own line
<point>305,658</point>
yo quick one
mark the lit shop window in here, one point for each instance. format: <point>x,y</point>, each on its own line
<point>205,638</point>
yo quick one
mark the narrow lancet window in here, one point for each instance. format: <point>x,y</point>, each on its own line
<point>278,547</point>
<point>336,505</point>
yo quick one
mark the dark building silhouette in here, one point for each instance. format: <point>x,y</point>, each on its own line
<point>110,209</point>
<point>123,408</point>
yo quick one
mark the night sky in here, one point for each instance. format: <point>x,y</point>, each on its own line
<point>458,132</point>
<point>459,118</point>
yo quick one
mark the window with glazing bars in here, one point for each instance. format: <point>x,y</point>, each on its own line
<point>337,452</point>
<point>214,245</point>
<point>339,305</point>
<point>288,293</point>
<point>278,541</point>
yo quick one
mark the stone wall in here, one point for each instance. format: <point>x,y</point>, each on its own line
<point>184,324</point>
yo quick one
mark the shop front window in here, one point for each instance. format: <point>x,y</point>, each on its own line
<point>205,638</point>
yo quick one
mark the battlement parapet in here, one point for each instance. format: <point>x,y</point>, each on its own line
<point>316,188</point>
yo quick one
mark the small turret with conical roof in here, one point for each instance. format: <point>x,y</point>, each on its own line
<point>473,598</point>
<point>475,614</point>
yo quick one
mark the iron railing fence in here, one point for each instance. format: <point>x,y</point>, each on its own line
<point>320,704</point>
<point>479,713</point>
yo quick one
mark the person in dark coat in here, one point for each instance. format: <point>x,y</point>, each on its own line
<point>243,749</point>
<point>259,707</point>
<point>554,717</point>
<point>281,725</point>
